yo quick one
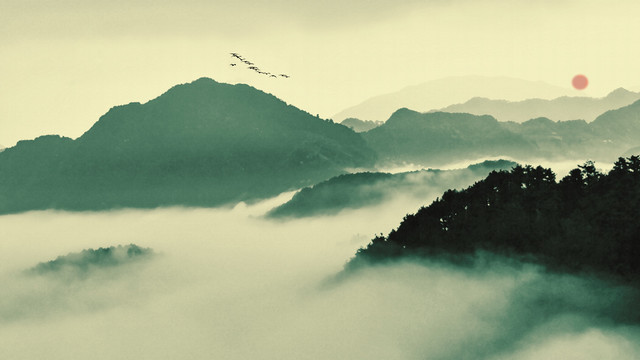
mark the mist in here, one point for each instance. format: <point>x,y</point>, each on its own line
<point>228,284</point>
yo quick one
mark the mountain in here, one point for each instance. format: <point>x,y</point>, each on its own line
<point>562,108</point>
<point>353,191</point>
<point>439,93</point>
<point>358,125</point>
<point>199,144</point>
<point>2,148</point>
<point>439,138</point>
<point>585,223</point>
<point>621,126</point>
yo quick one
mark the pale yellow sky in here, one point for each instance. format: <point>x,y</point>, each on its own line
<point>65,63</point>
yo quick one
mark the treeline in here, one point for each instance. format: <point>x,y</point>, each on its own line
<point>586,222</point>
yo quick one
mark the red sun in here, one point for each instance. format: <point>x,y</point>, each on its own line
<point>580,82</point>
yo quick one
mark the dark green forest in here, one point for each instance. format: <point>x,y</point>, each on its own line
<point>587,222</point>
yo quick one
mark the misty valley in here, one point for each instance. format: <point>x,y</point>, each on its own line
<point>218,221</point>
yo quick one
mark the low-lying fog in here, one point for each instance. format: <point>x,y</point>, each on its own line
<point>227,284</point>
<point>560,168</point>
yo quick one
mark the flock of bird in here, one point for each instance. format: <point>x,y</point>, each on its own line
<point>255,68</point>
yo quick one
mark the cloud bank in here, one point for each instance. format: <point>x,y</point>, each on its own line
<point>227,284</point>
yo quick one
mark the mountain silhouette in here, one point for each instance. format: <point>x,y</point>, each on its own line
<point>443,92</point>
<point>562,108</point>
<point>584,223</point>
<point>353,191</point>
<point>358,125</point>
<point>199,144</point>
<point>438,138</point>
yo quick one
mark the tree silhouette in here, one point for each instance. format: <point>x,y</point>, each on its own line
<point>586,222</point>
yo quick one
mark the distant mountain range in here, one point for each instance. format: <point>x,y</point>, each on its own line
<point>437,138</point>
<point>199,144</point>
<point>353,191</point>
<point>209,144</point>
<point>562,108</point>
<point>439,93</point>
<point>358,125</point>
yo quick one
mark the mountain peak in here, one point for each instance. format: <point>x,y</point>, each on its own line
<point>620,92</point>
<point>400,114</point>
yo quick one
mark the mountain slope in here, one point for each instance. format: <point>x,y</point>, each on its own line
<point>353,191</point>
<point>585,223</point>
<point>439,93</point>
<point>199,144</point>
<point>437,138</point>
<point>562,108</point>
<point>440,138</point>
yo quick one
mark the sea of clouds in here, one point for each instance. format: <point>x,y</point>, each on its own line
<point>229,284</point>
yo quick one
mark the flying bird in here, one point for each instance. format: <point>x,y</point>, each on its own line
<point>255,68</point>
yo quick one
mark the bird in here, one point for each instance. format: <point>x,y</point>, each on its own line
<point>253,67</point>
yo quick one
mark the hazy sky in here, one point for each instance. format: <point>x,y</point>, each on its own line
<point>64,63</point>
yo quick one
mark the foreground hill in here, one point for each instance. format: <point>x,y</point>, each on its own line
<point>439,93</point>
<point>353,191</point>
<point>587,222</point>
<point>199,144</point>
<point>562,108</point>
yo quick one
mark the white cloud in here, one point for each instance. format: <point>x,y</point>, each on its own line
<point>228,285</point>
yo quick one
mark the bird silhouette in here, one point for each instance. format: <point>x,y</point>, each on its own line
<point>255,68</point>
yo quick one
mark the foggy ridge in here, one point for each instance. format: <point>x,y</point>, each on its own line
<point>438,137</point>
<point>360,125</point>
<point>353,191</point>
<point>562,108</point>
<point>81,263</point>
<point>439,93</point>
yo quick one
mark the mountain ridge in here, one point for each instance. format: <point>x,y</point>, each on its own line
<point>443,92</point>
<point>561,108</point>
<point>202,143</point>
